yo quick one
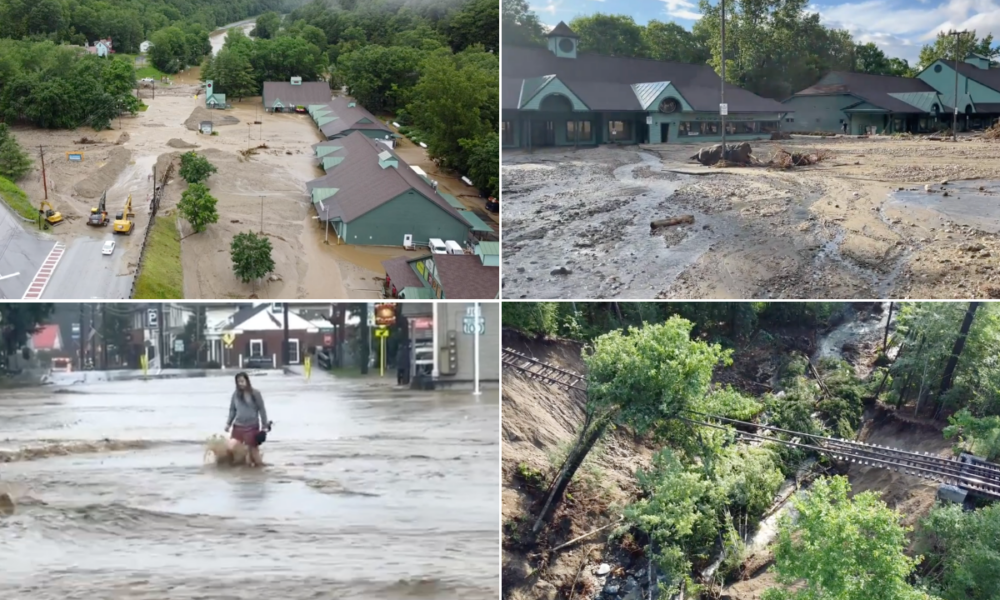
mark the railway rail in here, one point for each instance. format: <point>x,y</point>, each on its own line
<point>967,472</point>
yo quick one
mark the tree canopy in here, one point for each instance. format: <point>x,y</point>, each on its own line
<point>197,205</point>
<point>195,168</point>
<point>251,256</point>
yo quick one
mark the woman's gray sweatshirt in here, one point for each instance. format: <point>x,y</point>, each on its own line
<point>248,410</point>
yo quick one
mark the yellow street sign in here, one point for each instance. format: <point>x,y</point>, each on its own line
<point>381,333</point>
<point>228,339</point>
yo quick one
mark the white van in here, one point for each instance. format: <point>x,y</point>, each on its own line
<point>438,246</point>
<point>453,247</point>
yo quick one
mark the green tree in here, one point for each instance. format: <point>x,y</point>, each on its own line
<point>18,322</point>
<point>484,162</point>
<point>45,17</point>
<point>869,58</point>
<point>521,27</point>
<point>963,549</point>
<point>900,67</point>
<point>638,379</point>
<point>251,256</point>
<point>475,23</point>
<point>233,74</point>
<point>379,77</point>
<point>611,35</point>
<point>197,205</point>
<point>671,42</point>
<point>842,548</point>
<point>946,48</point>
<point>195,168</point>
<point>169,51</point>
<point>980,436</point>
<point>14,162</point>
<point>267,26</point>
<point>285,57</point>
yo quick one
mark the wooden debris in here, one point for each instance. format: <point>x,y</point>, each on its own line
<point>681,220</point>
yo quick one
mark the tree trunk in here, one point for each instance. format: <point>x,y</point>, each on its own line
<point>885,340</point>
<point>584,444</point>
<point>949,370</point>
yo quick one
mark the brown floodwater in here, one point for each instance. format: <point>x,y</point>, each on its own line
<point>370,492</point>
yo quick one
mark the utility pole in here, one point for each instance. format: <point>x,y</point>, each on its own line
<point>954,122</point>
<point>284,345</point>
<point>92,334</point>
<point>45,185</point>
<point>722,91</point>
<point>475,350</point>
<point>104,336</point>
<point>159,325</point>
<point>366,334</point>
<point>82,341</point>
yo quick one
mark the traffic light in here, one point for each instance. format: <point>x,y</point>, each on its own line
<point>452,353</point>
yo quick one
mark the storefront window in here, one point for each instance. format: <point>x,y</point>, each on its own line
<point>585,133</point>
<point>619,130</point>
<point>768,126</point>
<point>507,133</point>
<point>710,128</point>
<point>749,127</point>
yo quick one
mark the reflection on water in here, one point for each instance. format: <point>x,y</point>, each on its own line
<point>972,202</point>
<point>371,492</point>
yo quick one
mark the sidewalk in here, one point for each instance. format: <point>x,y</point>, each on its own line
<point>136,374</point>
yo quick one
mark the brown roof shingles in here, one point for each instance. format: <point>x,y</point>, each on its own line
<point>308,92</point>
<point>464,277</point>
<point>401,273</point>
<point>348,117</point>
<point>364,185</point>
<point>874,89</point>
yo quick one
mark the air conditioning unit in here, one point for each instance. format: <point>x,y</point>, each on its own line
<point>296,81</point>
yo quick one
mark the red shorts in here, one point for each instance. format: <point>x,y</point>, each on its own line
<point>247,435</point>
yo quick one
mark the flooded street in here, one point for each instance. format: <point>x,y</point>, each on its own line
<point>370,492</point>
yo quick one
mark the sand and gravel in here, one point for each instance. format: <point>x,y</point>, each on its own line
<point>858,225</point>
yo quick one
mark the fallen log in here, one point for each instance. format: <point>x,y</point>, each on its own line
<point>681,220</point>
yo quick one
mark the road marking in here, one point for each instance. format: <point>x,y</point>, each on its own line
<point>9,276</point>
<point>41,280</point>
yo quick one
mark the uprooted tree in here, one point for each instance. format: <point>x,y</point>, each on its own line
<point>638,379</point>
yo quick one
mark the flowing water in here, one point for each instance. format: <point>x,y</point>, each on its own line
<point>370,492</point>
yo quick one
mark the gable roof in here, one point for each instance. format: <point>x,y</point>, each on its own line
<point>47,338</point>
<point>880,90</point>
<point>363,184</point>
<point>304,94</point>
<point>562,30</point>
<point>349,117</point>
<point>988,77</point>
<point>605,82</point>
<point>260,318</point>
<point>464,277</point>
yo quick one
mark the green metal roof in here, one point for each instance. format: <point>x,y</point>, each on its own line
<point>319,194</point>
<point>488,248</point>
<point>322,151</point>
<point>477,223</point>
<point>922,100</point>
<point>219,98</point>
<point>415,293</point>
<point>321,112</point>
<point>324,120</point>
<point>332,161</point>
<point>451,200</point>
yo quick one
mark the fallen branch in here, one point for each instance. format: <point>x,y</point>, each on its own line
<point>586,535</point>
<point>681,220</point>
<point>820,380</point>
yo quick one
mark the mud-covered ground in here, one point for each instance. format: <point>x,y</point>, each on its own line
<point>859,224</point>
<point>370,492</point>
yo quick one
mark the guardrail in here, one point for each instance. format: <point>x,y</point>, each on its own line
<point>153,209</point>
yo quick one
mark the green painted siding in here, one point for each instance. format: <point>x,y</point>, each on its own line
<point>818,113</point>
<point>669,92</point>
<point>511,138</point>
<point>554,86</point>
<point>944,83</point>
<point>409,212</point>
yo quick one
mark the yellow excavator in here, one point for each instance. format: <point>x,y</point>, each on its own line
<point>99,215</point>
<point>50,214</point>
<point>123,220</point>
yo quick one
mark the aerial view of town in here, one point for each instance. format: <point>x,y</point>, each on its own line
<point>249,149</point>
<point>861,155</point>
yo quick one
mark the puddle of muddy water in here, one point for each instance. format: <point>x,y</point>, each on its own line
<point>975,203</point>
<point>371,492</point>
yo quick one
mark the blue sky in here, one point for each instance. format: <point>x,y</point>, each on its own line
<point>899,27</point>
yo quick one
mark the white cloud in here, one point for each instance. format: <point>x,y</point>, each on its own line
<point>550,7</point>
<point>682,9</point>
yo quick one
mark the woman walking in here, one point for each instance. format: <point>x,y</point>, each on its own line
<point>247,417</point>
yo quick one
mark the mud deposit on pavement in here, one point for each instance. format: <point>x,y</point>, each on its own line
<point>859,224</point>
<point>371,492</point>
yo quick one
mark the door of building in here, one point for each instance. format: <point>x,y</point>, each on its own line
<point>664,132</point>
<point>293,352</point>
<point>543,133</point>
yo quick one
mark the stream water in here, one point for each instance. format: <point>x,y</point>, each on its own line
<point>975,203</point>
<point>370,492</point>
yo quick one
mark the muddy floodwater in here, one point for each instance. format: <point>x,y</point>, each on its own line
<point>370,492</point>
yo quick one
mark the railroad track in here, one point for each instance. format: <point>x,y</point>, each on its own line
<point>966,472</point>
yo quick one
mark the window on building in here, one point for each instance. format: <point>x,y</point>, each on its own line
<point>583,135</point>
<point>689,128</point>
<point>709,127</point>
<point>768,126</point>
<point>256,348</point>
<point>507,132</point>
<point>619,130</point>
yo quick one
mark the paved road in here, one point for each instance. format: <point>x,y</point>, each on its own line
<point>85,273</point>
<point>21,252</point>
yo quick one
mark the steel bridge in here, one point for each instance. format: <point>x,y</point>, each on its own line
<point>967,472</point>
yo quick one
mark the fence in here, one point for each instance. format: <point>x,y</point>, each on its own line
<point>158,189</point>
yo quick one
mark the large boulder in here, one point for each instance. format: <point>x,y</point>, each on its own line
<point>735,153</point>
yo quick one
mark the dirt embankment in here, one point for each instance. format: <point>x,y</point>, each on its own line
<point>539,424</point>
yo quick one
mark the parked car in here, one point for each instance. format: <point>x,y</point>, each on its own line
<point>109,248</point>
